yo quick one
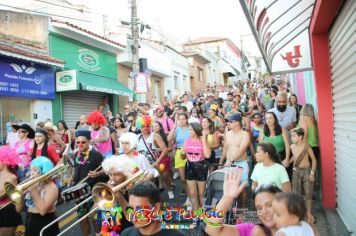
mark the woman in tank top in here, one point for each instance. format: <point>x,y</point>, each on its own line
<point>196,151</point>
<point>40,201</point>
<point>275,134</point>
<point>212,139</point>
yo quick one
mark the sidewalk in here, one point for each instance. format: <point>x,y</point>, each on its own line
<point>328,221</point>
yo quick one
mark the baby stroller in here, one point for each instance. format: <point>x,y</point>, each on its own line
<point>214,192</point>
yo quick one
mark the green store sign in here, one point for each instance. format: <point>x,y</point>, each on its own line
<point>88,59</point>
<point>82,57</point>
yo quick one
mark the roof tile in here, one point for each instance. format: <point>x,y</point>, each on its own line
<point>87,31</point>
<point>22,52</point>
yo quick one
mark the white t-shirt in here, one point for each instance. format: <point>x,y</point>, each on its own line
<point>287,117</point>
<point>276,174</point>
<point>304,229</point>
<point>142,163</point>
<point>193,120</point>
<point>12,138</point>
<point>189,105</point>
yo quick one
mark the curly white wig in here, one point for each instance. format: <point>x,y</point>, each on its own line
<point>129,137</point>
<point>120,164</point>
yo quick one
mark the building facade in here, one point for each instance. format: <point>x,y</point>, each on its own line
<point>27,72</point>
<point>228,59</point>
<point>89,74</point>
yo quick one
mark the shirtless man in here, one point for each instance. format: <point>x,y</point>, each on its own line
<point>236,143</point>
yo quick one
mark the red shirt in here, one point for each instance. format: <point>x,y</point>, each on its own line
<point>52,154</point>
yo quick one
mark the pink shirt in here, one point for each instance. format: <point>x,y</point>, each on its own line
<point>105,148</point>
<point>23,149</point>
<point>167,123</point>
<point>194,150</point>
<point>245,229</point>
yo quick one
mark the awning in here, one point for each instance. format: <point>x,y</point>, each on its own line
<point>96,83</point>
<point>281,29</point>
<point>229,70</point>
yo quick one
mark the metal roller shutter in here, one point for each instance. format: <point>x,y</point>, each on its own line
<point>343,60</point>
<point>76,104</point>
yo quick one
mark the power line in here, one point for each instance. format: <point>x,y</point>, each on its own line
<point>50,14</point>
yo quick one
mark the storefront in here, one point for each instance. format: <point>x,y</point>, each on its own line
<point>332,33</point>
<point>26,92</point>
<point>90,74</point>
<point>330,26</point>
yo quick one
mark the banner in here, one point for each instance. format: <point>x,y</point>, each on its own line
<point>141,83</point>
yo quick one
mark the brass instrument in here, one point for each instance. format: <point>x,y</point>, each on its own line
<point>101,194</point>
<point>3,195</point>
<point>15,192</point>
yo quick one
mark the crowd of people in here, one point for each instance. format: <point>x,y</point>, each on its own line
<point>256,131</point>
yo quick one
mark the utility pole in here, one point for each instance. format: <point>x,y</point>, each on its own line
<point>135,44</point>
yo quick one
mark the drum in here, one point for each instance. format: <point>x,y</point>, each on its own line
<point>77,192</point>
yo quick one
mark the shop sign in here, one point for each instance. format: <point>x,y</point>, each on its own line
<point>281,30</point>
<point>66,80</point>
<point>83,57</point>
<point>25,79</point>
<point>88,59</point>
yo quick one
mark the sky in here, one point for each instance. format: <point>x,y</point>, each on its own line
<point>180,20</point>
<point>186,19</point>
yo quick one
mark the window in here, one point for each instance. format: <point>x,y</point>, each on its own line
<point>200,74</point>
<point>184,80</point>
<point>176,80</point>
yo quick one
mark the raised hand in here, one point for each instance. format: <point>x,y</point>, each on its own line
<point>232,185</point>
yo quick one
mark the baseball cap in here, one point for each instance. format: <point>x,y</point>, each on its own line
<point>235,117</point>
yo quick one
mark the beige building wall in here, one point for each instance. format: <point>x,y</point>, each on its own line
<point>197,75</point>
<point>15,28</point>
<point>123,76</point>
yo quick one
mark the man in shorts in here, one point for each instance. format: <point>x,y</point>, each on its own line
<point>234,151</point>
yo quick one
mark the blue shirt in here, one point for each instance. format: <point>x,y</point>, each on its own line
<point>181,136</point>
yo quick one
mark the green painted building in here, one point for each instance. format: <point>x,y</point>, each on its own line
<point>89,74</point>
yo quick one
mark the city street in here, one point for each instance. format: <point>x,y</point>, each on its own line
<point>122,89</point>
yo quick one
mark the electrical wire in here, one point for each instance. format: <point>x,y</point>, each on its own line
<point>50,14</point>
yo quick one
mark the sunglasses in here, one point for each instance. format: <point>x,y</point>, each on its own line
<point>22,131</point>
<point>127,108</point>
<point>81,142</point>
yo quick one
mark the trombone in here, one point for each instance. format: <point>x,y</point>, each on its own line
<point>101,194</point>
<point>15,192</point>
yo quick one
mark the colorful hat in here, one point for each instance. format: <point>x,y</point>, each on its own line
<point>96,118</point>
<point>42,163</point>
<point>9,156</point>
<point>144,120</point>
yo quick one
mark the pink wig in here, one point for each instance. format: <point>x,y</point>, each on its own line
<point>96,118</point>
<point>144,120</point>
<point>9,156</point>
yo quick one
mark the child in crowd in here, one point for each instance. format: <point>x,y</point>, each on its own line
<point>289,213</point>
<point>304,166</point>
